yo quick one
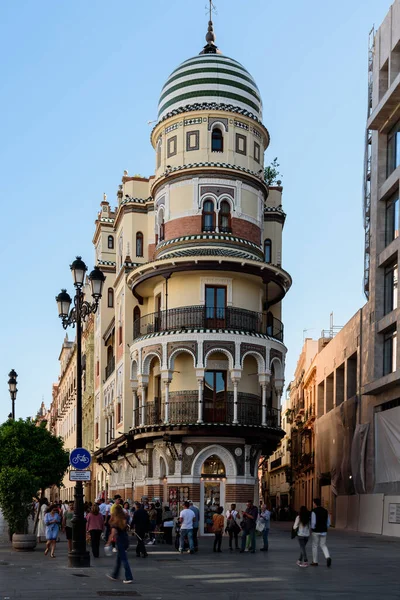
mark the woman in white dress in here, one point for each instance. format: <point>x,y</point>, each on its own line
<point>41,531</point>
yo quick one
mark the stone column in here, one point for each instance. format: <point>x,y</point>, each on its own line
<point>143,383</point>
<point>235,378</point>
<point>135,419</point>
<point>235,402</point>
<point>200,383</point>
<point>264,379</point>
<point>166,411</point>
<point>143,406</point>
<point>264,404</point>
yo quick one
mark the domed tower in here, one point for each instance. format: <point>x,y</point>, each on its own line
<point>207,355</point>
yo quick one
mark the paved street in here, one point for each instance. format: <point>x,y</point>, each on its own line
<point>364,566</point>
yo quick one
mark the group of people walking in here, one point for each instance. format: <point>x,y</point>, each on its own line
<point>113,520</point>
<point>314,524</point>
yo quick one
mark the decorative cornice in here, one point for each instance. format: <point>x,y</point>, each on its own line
<point>209,236</point>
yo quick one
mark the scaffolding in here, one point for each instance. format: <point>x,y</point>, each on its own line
<point>367,166</point>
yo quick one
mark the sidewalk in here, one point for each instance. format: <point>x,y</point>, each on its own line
<point>363,566</point>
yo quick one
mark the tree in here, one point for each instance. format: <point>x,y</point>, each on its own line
<point>271,173</point>
<point>26,445</point>
<point>17,488</point>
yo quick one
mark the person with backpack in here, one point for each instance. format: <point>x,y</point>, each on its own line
<point>232,526</point>
<point>302,528</point>
<point>320,522</point>
<point>120,535</point>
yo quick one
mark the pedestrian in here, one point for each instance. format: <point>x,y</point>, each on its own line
<point>43,507</point>
<point>186,519</point>
<point>320,522</point>
<point>167,524</point>
<point>120,535</point>
<point>195,525</point>
<point>67,524</point>
<point>141,525</point>
<point>153,522</point>
<point>248,526</point>
<point>265,516</point>
<point>52,521</point>
<point>232,526</point>
<point>301,527</point>
<point>218,528</point>
<point>94,527</point>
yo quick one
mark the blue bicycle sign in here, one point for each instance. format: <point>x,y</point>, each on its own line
<point>80,458</point>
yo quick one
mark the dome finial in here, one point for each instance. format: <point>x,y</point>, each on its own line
<point>210,47</point>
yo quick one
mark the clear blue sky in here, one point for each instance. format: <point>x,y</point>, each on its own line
<point>80,81</point>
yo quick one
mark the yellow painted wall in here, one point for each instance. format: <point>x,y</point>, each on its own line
<point>250,203</point>
<point>184,375</point>
<point>249,382</point>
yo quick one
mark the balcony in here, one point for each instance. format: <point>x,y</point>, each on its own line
<point>185,411</point>
<point>201,317</point>
<point>110,367</point>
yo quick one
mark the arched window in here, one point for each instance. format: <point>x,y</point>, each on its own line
<point>267,251</point>
<point>161,226</point>
<point>217,140</point>
<point>136,322</point>
<point>225,217</point>
<point>208,216</point>
<point>110,242</point>
<point>110,298</point>
<point>139,243</point>
<point>213,466</point>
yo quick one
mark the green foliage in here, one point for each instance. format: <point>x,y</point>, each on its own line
<point>17,488</point>
<point>24,445</point>
<point>271,173</point>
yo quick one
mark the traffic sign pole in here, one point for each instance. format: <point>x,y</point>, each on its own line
<point>78,557</point>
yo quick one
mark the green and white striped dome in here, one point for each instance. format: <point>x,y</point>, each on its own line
<point>209,79</point>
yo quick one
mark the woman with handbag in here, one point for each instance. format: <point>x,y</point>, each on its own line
<point>120,535</point>
<point>302,529</point>
<point>232,526</point>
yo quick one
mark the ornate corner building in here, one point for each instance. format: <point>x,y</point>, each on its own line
<point>188,343</point>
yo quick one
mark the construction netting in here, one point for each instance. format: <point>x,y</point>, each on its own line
<point>334,435</point>
<point>387,451</point>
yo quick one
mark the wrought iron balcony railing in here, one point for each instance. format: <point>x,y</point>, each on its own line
<point>185,411</point>
<point>205,317</point>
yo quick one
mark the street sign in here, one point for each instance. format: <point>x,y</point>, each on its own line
<point>80,475</point>
<point>80,458</point>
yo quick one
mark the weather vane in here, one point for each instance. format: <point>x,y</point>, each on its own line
<point>211,9</point>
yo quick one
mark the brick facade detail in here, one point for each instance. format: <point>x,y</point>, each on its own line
<point>151,248</point>
<point>183,226</point>
<point>247,231</point>
<point>239,493</point>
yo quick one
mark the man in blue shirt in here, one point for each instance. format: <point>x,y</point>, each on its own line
<point>195,524</point>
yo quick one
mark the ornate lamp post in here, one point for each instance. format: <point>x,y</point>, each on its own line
<point>79,557</point>
<point>12,386</point>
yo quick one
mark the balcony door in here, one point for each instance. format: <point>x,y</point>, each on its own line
<point>215,396</point>
<point>215,307</point>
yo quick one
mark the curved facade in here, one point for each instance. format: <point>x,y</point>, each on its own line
<point>189,348</point>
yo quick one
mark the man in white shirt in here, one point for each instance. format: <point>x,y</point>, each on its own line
<point>320,522</point>
<point>186,519</point>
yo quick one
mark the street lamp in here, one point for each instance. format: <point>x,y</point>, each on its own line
<point>12,386</point>
<point>79,557</point>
